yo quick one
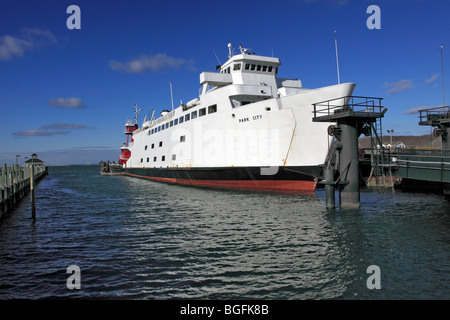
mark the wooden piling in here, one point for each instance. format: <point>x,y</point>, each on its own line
<point>33,198</point>
<point>16,182</point>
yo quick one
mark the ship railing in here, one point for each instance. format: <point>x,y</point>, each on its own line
<point>434,114</point>
<point>354,104</point>
<point>166,117</point>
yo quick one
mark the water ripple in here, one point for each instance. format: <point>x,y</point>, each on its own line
<point>138,239</point>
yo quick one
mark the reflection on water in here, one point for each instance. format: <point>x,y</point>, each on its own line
<point>137,239</point>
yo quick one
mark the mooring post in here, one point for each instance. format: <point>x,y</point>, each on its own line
<point>329,187</point>
<point>33,199</point>
<point>348,164</point>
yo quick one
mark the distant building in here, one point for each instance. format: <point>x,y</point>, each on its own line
<point>400,145</point>
<point>34,161</point>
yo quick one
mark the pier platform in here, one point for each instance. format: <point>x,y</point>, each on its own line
<point>15,183</point>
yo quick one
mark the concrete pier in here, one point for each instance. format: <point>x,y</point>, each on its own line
<point>15,183</point>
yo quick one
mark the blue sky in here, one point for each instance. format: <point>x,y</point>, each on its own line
<point>66,94</point>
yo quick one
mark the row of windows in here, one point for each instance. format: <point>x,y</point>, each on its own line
<point>153,145</point>
<point>163,158</point>
<point>182,139</point>
<point>251,67</point>
<point>187,117</point>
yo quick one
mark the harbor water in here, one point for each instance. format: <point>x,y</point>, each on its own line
<point>138,239</point>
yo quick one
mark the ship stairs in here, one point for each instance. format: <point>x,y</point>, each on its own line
<point>351,116</point>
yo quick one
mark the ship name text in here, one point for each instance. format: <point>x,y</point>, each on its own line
<point>246,119</point>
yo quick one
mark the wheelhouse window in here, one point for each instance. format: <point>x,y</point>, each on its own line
<point>253,67</point>
<point>175,122</point>
<point>247,66</point>
<point>181,119</point>
<point>237,66</point>
<point>187,117</point>
<point>201,112</point>
<point>212,109</point>
<point>171,123</point>
<point>194,114</point>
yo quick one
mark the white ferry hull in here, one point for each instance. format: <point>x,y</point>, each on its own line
<point>251,131</point>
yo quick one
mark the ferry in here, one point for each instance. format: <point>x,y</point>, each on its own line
<point>246,129</point>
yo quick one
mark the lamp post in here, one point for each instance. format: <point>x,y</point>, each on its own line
<point>391,132</point>
<point>442,67</point>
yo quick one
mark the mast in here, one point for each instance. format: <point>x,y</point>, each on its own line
<point>171,94</point>
<point>337,59</point>
<point>136,112</point>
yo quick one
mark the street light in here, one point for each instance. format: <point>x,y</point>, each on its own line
<point>391,132</point>
<point>442,66</point>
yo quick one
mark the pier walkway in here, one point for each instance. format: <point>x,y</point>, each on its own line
<point>428,165</point>
<point>15,183</point>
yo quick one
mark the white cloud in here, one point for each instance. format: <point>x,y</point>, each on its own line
<point>398,86</point>
<point>71,103</point>
<point>432,79</point>
<point>53,129</point>
<point>39,133</point>
<point>65,126</point>
<point>416,110</point>
<point>149,63</point>
<point>29,38</point>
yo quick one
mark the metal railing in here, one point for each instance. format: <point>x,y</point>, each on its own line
<point>355,104</point>
<point>434,114</point>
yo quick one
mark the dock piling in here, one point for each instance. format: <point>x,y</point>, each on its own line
<point>17,181</point>
<point>351,115</point>
<point>329,187</point>
<point>33,198</point>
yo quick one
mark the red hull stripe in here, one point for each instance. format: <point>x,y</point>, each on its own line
<point>270,185</point>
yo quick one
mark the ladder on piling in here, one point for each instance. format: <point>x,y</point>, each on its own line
<point>378,151</point>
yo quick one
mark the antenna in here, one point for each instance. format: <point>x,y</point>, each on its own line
<point>171,94</point>
<point>217,57</point>
<point>337,59</point>
<point>442,66</point>
<point>136,112</point>
<point>229,50</point>
<point>153,115</point>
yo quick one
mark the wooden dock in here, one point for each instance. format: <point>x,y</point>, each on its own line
<point>15,183</point>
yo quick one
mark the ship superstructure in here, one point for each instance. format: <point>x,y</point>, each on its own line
<point>248,128</point>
